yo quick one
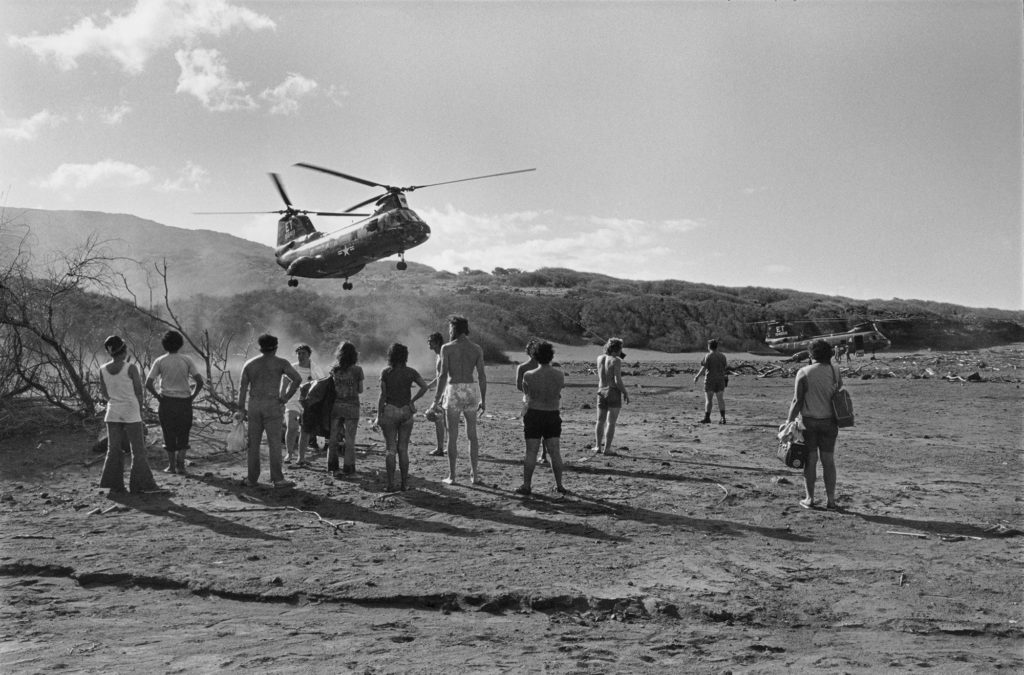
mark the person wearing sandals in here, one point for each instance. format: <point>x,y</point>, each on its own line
<point>812,401</point>
<point>348,385</point>
<point>395,410</point>
<point>174,396</point>
<point>542,422</point>
<point>121,385</point>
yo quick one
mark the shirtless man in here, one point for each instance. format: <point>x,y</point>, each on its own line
<point>462,396</point>
<point>542,422</point>
<point>261,384</point>
<point>611,392</point>
<point>521,370</point>
<point>435,341</point>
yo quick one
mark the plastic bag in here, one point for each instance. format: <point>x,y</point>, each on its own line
<point>791,449</point>
<point>237,437</point>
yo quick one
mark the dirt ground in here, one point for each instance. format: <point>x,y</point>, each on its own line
<point>687,552</point>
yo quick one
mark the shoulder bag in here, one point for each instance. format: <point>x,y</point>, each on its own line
<point>842,404</point>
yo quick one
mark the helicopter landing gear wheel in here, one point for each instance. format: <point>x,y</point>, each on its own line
<point>402,265</point>
<point>293,282</point>
<point>347,286</point>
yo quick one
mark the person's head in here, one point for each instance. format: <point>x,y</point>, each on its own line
<point>821,351</point>
<point>531,346</point>
<point>267,343</point>
<point>435,340</point>
<point>346,355</point>
<point>398,355</point>
<point>458,325</point>
<point>172,341</point>
<point>712,345</point>
<point>303,351</point>
<point>115,346</point>
<point>613,347</point>
<point>543,351</point>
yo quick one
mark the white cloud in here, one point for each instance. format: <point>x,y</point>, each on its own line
<point>777,269</point>
<point>115,115</point>
<point>205,76</point>
<point>107,173</point>
<point>27,129</point>
<point>284,98</point>
<point>132,38</point>
<point>628,247</point>
<point>191,178</point>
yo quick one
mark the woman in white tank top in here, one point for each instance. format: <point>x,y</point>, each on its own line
<point>121,385</point>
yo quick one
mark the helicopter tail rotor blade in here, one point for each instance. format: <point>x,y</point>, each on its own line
<point>462,180</point>
<point>339,174</point>
<point>280,189</point>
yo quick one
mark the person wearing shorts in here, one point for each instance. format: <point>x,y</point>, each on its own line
<point>611,392</point>
<point>713,368</point>
<point>812,401</point>
<point>542,423</point>
<point>463,396</point>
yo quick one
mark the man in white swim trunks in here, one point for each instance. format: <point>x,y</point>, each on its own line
<point>459,394</point>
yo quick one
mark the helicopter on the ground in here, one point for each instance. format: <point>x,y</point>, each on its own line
<point>392,228</point>
<point>863,337</point>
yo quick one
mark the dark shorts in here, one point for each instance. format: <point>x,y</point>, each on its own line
<point>714,385</point>
<point>610,399</point>
<point>820,434</point>
<point>542,424</point>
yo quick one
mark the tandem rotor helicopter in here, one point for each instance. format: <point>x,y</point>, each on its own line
<point>392,228</point>
<point>863,337</point>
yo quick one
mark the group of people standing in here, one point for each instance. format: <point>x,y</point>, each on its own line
<point>291,402</point>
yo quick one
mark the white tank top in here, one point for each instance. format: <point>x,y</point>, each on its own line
<point>122,405</point>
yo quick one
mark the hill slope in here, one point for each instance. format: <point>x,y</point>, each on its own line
<point>506,306</point>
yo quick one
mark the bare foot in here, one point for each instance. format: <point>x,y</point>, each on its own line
<point>448,481</point>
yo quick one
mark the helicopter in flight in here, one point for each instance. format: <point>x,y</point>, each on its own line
<point>392,228</point>
<point>863,337</point>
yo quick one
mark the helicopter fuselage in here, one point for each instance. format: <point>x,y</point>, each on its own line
<point>341,254</point>
<point>862,338</point>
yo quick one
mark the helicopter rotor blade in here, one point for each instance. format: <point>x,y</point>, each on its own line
<point>462,180</point>
<point>280,189</point>
<point>339,174</point>
<point>364,203</point>
<point>235,213</point>
<point>332,213</point>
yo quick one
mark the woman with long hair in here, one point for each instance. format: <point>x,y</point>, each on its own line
<point>395,410</point>
<point>812,400</point>
<point>121,385</point>
<point>348,385</point>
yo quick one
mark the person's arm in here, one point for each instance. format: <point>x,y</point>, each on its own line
<point>243,390</point>
<point>292,385</point>
<point>197,378</point>
<point>382,398</point>
<point>359,380</point>
<point>520,371</point>
<point>617,379</point>
<point>703,370</point>
<point>442,377</point>
<point>799,393</point>
<point>482,378</point>
<point>151,384</point>
<point>421,384</point>
<point>199,386</point>
<point>103,386</point>
<point>133,373</point>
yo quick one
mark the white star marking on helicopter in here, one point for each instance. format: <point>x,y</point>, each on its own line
<point>347,250</point>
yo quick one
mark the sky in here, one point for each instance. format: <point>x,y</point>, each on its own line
<point>863,149</point>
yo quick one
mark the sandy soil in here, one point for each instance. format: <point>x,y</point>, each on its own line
<point>687,552</point>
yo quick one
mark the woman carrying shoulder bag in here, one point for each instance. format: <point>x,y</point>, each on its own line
<point>812,400</point>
